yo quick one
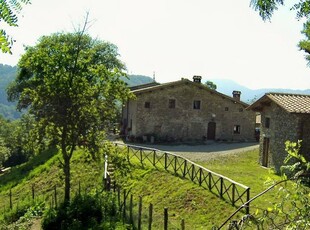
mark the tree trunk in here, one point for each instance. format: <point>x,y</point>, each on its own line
<point>66,164</point>
<point>66,168</point>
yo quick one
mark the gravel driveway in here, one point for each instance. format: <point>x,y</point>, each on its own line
<point>205,151</point>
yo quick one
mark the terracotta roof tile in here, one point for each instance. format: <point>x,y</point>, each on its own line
<point>293,103</point>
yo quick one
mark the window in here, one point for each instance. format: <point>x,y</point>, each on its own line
<point>147,105</point>
<point>171,104</point>
<point>226,108</point>
<point>237,129</point>
<point>196,105</point>
<point>267,122</point>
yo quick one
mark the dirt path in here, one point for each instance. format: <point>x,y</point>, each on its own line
<point>36,224</point>
<point>205,151</point>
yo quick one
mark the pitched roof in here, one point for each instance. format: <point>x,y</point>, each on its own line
<point>154,83</point>
<point>292,103</point>
<point>185,81</point>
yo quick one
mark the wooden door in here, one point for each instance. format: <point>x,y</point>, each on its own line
<point>265,152</point>
<point>211,130</point>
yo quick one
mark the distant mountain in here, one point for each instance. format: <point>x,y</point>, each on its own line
<point>226,86</point>
<point>134,80</point>
<point>8,74</point>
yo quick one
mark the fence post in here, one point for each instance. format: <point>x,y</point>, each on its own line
<point>221,187</point>
<point>55,194</point>
<point>210,180</point>
<point>150,216</point>
<point>154,157</point>
<point>105,167</point>
<point>165,218</point>
<point>11,203</point>
<point>32,190</point>
<point>233,194</point>
<point>124,206</point>
<point>141,156</point>
<point>184,170</point>
<point>175,165</point>
<point>166,161</point>
<point>247,208</point>
<point>128,150</point>
<point>182,224</point>
<point>140,213</point>
<point>130,209</point>
<point>200,176</point>
<point>193,172</point>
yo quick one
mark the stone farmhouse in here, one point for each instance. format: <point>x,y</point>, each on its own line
<point>186,110</point>
<point>283,117</point>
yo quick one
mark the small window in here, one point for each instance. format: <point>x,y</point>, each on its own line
<point>171,104</point>
<point>226,108</point>
<point>147,105</point>
<point>237,129</point>
<point>240,109</point>
<point>267,122</point>
<point>196,105</point>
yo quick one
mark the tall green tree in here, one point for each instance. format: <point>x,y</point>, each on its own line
<point>266,9</point>
<point>9,9</point>
<point>71,85</point>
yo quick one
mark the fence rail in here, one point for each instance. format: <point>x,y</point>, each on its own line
<point>233,192</point>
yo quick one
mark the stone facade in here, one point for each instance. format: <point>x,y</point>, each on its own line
<point>280,124</point>
<point>187,111</point>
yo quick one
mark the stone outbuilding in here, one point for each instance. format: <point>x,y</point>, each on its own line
<point>283,117</point>
<point>186,110</point>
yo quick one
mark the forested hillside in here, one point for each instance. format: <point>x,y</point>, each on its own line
<point>7,75</point>
<point>134,80</point>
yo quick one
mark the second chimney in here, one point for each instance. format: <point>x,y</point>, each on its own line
<point>197,79</point>
<point>236,95</point>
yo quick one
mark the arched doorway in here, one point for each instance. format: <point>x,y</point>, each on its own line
<point>211,130</point>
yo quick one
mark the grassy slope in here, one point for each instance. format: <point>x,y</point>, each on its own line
<point>44,173</point>
<point>199,208</point>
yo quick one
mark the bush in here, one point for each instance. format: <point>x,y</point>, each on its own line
<point>83,212</point>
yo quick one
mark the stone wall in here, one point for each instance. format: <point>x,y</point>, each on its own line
<point>305,135</point>
<point>283,126</point>
<point>185,123</point>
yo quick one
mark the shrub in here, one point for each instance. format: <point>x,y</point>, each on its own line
<point>83,212</point>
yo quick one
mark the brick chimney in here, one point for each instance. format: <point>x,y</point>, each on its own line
<point>197,79</point>
<point>236,95</point>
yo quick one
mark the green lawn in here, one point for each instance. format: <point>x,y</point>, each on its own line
<point>244,168</point>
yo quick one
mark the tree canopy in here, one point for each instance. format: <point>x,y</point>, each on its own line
<point>9,9</point>
<point>211,85</point>
<point>71,85</point>
<point>266,9</point>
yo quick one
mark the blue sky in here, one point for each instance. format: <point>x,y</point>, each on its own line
<point>180,38</point>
